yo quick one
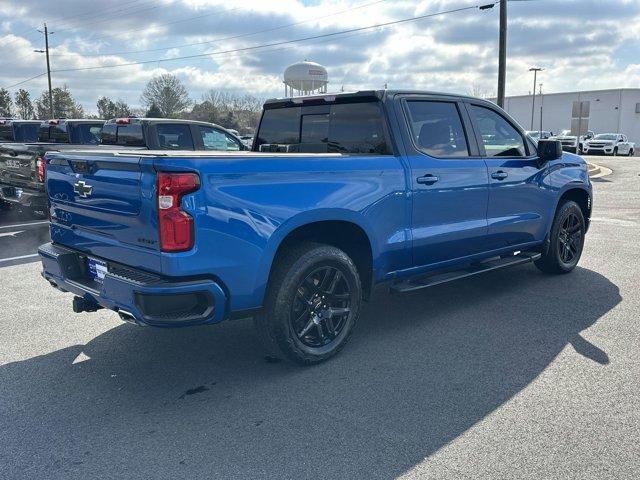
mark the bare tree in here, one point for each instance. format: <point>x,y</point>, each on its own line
<point>480,92</point>
<point>231,110</point>
<point>167,93</point>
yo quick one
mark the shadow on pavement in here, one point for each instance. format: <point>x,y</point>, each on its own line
<point>421,369</point>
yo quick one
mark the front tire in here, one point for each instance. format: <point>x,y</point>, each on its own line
<point>566,240</point>
<point>631,152</point>
<point>312,304</point>
<point>615,151</point>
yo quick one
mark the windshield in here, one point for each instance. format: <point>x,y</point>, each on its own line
<point>605,136</point>
<point>534,134</point>
<point>565,132</point>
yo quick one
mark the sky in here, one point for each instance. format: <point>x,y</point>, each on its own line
<point>582,45</point>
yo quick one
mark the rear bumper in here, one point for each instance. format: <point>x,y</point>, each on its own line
<point>138,296</point>
<point>25,197</point>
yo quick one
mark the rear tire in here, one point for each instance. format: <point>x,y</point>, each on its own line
<point>631,152</point>
<point>566,240</point>
<point>4,206</point>
<point>312,304</point>
<point>615,151</point>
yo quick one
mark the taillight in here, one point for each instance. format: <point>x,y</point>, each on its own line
<point>176,226</point>
<point>41,166</point>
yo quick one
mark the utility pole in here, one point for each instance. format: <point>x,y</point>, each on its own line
<point>502,52</point>
<point>46,51</point>
<point>535,71</point>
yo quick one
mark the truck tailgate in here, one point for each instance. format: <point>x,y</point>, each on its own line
<point>17,165</point>
<point>104,205</point>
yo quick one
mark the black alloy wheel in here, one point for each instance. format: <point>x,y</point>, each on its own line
<point>570,239</point>
<point>321,306</point>
<point>312,304</point>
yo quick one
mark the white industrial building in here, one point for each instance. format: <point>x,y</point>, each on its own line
<point>603,111</point>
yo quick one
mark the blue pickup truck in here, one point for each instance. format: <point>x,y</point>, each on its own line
<point>339,193</point>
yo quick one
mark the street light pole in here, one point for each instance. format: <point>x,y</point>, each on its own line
<point>46,51</point>
<point>502,53</point>
<point>535,71</point>
<point>541,105</point>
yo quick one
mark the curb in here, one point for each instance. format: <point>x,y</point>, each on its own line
<point>597,171</point>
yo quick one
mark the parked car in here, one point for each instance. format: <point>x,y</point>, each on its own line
<point>168,134</point>
<point>609,144</point>
<point>569,141</point>
<point>247,140</point>
<point>18,131</point>
<point>410,189</point>
<point>22,166</point>
<point>538,134</point>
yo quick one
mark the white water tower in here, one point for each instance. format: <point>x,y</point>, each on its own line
<point>304,78</point>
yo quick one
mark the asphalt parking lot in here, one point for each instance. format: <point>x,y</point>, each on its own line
<point>510,375</point>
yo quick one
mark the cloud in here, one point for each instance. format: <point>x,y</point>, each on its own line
<point>581,44</point>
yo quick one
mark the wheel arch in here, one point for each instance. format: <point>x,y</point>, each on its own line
<point>582,197</point>
<point>342,229</point>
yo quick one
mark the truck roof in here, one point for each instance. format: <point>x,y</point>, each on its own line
<point>7,121</point>
<point>164,120</point>
<point>360,94</point>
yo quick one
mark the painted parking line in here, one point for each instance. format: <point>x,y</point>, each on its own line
<point>21,257</point>
<point>10,234</point>
<point>18,225</point>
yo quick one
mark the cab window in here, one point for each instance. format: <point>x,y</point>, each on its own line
<point>174,136</point>
<point>499,137</point>
<point>437,128</point>
<point>217,140</point>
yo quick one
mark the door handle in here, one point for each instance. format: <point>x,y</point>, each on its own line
<point>427,179</point>
<point>499,175</point>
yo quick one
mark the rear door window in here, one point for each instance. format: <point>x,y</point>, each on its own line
<point>217,140</point>
<point>174,136</point>
<point>437,128</point>
<point>499,137</point>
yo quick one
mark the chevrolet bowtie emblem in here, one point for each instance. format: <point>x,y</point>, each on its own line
<point>82,189</point>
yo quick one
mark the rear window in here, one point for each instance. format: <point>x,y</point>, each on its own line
<point>6,133</point>
<point>88,134</point>
<point>27,132</point>
<point>53,134</point>
<point>174,136</point>
<point>125,135</point>
<point>350,128</point>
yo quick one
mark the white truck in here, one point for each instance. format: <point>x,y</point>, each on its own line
<point>609,144</point>
<point>569,141</point>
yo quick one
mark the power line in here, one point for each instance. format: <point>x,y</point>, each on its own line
<point>284,42</point>
<point>197,17</point>
<point>233,37</point>
<point>25,81</point>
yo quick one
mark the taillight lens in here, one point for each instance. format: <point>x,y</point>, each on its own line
<point>176,226</point>
<point>41,166</point>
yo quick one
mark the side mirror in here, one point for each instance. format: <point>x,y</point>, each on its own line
<point>549,150</point>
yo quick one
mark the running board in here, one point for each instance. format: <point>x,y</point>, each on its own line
<point>437,278</point>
